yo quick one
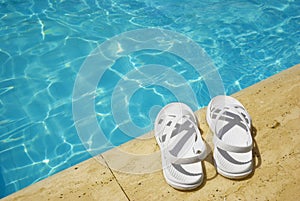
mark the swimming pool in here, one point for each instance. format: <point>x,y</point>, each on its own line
<point>45,43</point>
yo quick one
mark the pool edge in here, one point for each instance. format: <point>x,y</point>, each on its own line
<point>275,99</point>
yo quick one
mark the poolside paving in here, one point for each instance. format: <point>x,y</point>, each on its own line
<point>133,170</point>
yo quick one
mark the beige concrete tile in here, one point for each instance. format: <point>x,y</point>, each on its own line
<point>274,105</point>
<point>88,180</point>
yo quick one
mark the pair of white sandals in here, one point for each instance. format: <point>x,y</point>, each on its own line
<point>183,150</point>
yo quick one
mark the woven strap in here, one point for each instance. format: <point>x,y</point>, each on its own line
<point>199,147</point>
<point>230,114</point>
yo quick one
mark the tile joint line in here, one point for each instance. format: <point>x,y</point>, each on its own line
<point>115,177</point>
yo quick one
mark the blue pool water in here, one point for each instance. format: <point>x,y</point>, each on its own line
<point>45,43</point>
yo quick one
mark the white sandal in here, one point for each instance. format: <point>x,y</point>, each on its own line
<point>182,147</point>
<point>231,125</point>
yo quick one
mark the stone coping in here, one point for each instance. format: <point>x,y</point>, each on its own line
<point>274,105</point>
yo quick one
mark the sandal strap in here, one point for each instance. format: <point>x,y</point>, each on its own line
<point>231,148</point>
<point>199,148</point>
<point>164,134</point>
<point>220,109</point>
<point>242,123</point>
<point>231,113</point>
<point>188,160</point>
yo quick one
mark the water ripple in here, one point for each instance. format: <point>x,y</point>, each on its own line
<point>44,43</point>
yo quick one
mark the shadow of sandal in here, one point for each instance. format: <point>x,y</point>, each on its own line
<point>257,161</point>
